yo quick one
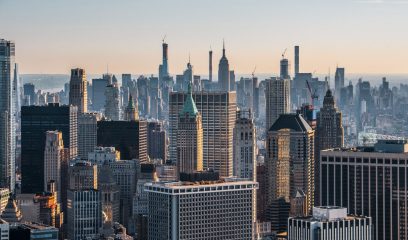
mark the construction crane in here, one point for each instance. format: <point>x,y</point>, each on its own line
<point>164,38</point>
<point>313,94</point>
<point>253,73</point>
<point>283,54</point>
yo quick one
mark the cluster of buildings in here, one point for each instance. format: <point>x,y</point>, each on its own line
<point>154,158</point>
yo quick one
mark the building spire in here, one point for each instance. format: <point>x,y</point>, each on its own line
<point>189,107</point>
<point>223,47</point>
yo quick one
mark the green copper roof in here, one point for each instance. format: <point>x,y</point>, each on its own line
<point>189,104</point>
<point>131,104</point>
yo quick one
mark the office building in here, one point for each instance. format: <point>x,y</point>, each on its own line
<point>164,67</point>
<point>245,146</point>
<point>157,140</point>
<point>329,130</point>
<point>110,193</point>
<point>4,196</point>
<point>129,138</point>
<point>132,110</point>
<point>214,209</point>
<point>339,81</point>
<point>290,159</point>
<point>330,223</point>
<point>112,102</point>
<point>102,155</point>
<point>297,61</point>
<point>56,159</point>
<point>83,175</point>
<point>277,94</point>
<point>124,173</point>
<point>98,93</point>
<point>87,129</point>
<point>35,122</point>
<point>210,65</point>
<point>232,80</point>
<point>189,137</point>
<point>78,90</point>
<point>32,230</point>
<point>284,68</point>
<point>50,209</point>
<point>218,111</point>
<point>11,213</point>
<point>29,91</point>
<point>7,114</point>
<point>4,230</point>
<point>224,72</point>
<point>369,181</point>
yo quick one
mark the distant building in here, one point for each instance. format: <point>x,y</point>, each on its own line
<point>132,110</point>
<point>330,223</point>
<point>369,181</point>
<point>157,140</point>
<point>206,218</point>
<point>245,146</point>
<point>87,129</point>
<point>284,68</point>
<point>224,73</point>
<point>35,122</point>
<point>98,93</point>
<point>218,112</point>
<point>78,90</point>
<point>29,91</point>
<point>277,94</point>
<point>129,138</point>
<point>338,81</point>
<point>189,137</point>
<point>112,102</point>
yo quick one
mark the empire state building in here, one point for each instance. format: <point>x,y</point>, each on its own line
<point>223,72</point>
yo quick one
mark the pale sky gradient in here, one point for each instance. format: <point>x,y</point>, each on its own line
<point>53,36</point>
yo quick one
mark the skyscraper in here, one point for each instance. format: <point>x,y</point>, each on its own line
<point>290,159</point>
<point>369,181</point>
<point>188,76</point>
<point>277,94</point>
<point>218,112</point>
<point>189,137</point>
<point>222,209</point>
<point>296,60</point>
<point>87,129</point>
<point>55,157</point>
<point>35,122</point>
<point>210,65</point>
<point>284,68</point>
<point>157,140</point>
<point>78,90</point>
<point>245,146</point>
<point>7,114</point>
<point>232,80</point>
<point>98,93</point>
<point>339,81</point>
<point>164,67</point>
<point>224,72</point>
<point>132,110</point>
<point>112,103</point>
<point>329,130</point>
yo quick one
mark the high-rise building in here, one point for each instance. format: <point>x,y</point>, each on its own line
<point>284,68</point>
<point>7,114</point>
<point>245,146</point>
<point>232,80</point>
<point>297,62</point>
<point>4,229</point>
<point>132,110</point>
<point>50,208</point>
<point>11,213</point>
<point>129,138</point>
<point>110,192</point>
<point>290,160</point>
<point>329,131</point>
<point>32,230</point>
<point>224,72</point>
<point>35,122</point>
<point>29,91</point>
<point>98,93</point>
<point>55,160</point>
<point>218,111</point>
<point>87,129</point>
<point>84,204</point>
<point>4,196</point>
<point>124,173</point>
<point>339,81</point>
<point>222,209</point>
<point>189,137</point>
<point>78,90</point>
<point>188,76</point>
<point>277,94</point>
<point>157,140</point>
<point>112,103</point>
<point>330,223</point>
<point>369,181</point>
<point>210,65</point>
<point>164,67</point>
<point>103,155</point>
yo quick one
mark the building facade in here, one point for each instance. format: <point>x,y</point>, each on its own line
<point>277,94</point>
<point>245,146</point>
<point>157,140</point>
<point>87,129</point>
<point>217,210</point>
<point>369,181</point>
<point>218,111</point>
<point>78,95</point>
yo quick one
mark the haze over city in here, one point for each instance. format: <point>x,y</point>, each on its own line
<point>54,36</point>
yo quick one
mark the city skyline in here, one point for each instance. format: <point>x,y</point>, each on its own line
<point>80,37</point>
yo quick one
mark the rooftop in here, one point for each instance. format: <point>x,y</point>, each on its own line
<point>291,121</point>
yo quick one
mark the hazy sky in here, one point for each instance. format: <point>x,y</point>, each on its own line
<point>53,36</point>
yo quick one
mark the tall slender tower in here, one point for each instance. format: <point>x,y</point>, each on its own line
<point>296,60</point>
<point>210,65</point>
<point>165,60</point>
<point>131,111</point>
<point>7,114</point>
<point>224,72</point>
<point>189,137</point>
<point>78,90</point>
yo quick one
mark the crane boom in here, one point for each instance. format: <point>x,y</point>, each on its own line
<point>283,54</point>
